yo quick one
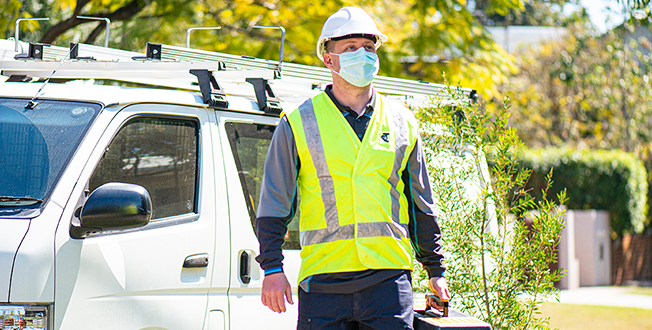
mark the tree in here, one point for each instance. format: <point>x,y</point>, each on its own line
<point>11,10</point>
<point>421,29</point>
<point>64,26</point>
<point>121,13</point>
<point>534,13</point>
<point>498,241</point>
<point>586,91</point>
<point>639,9</point>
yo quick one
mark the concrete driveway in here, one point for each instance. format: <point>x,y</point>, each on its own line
<point>606,296</point>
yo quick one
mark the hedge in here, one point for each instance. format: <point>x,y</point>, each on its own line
<point>610,180</point>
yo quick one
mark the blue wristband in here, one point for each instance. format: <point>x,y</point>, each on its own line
<point>273,270</point>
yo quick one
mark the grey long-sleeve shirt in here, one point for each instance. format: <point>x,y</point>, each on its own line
<point>278,200</point>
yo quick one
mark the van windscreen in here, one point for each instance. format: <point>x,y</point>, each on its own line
<point>35,146</point>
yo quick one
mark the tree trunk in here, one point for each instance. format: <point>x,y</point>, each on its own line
<point>96,33</point>
<point>555,110</point>
<point>60,28</point>
<point>66,25</point>
<point>121,14</point>
<point>625,112</point>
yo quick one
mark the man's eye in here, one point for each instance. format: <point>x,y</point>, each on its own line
<point>370,48</point>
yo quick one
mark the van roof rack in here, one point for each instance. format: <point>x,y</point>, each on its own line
<point>170,66</point>
<point>318,75</point>
<point>76,51</point>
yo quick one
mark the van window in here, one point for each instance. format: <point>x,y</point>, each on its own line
<point>36,145</point>
<point>159,154</point>
<point>249,144</point>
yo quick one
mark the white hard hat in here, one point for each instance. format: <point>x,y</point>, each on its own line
<point>348,21</point>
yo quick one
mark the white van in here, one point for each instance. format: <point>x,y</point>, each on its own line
<point>133,207</point>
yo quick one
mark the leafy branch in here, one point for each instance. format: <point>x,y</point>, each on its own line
<point>498,240</point>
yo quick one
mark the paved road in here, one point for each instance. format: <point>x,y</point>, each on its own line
<point>605,296</point>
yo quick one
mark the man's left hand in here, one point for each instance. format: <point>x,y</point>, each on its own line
<point>440,288</point>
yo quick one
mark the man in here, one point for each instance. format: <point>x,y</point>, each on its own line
<point>366,201</point>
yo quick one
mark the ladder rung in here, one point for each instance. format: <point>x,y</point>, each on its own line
<point>231,61</point>
<point>175,63</point>
<point>57,53</point>
<point>122,71</point>
<point>320,75</point>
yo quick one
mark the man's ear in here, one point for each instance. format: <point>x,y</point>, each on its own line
<point>328,61</point>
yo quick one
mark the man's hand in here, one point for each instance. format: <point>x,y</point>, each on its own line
<point>440,288</point>
<point>276,289</point>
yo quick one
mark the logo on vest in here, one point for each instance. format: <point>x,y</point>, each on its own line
<point>385,137</point>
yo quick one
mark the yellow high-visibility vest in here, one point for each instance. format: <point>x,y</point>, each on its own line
<point>354,212</point>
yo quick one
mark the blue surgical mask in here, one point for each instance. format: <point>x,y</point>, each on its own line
<point>359,67</point>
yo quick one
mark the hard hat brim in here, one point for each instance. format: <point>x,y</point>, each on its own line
<point>321,44</point>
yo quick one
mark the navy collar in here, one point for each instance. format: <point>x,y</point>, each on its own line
<point>369,108</point>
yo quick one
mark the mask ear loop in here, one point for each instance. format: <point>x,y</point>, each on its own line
<point>338,55</point>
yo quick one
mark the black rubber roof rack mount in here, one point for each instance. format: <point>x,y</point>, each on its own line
<point>214,98</point>
<point>265,97</point>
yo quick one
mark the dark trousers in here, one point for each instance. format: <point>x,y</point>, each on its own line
<point>384,306</point>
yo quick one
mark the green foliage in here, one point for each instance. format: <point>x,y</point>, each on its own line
<point>639,9</point>
<point>611,180</point>
<point>9,13</point>
<point>15,9</point>
<point>587,91</point>
<point>532,13</point>
<point>427,38</point>
<point>591,91</point>
<point>497,249</point>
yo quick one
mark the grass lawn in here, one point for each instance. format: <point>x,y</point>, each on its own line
<point>580,317</point>
<point>640,290</point>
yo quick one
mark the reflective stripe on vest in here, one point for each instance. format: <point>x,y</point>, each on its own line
<point>401,143</point>
<point>333,231</point>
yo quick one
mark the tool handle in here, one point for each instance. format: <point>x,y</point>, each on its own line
<point>438,301</point>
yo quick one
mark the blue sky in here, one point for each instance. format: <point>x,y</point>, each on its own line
<point>602,18</point>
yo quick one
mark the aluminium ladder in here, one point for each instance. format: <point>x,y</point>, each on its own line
<point>319,75</point>
<point>169,66</point>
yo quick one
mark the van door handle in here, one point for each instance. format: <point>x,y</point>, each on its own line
<point>245,267</point>
<point>196,261</point>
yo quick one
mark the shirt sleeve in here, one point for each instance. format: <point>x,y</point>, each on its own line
<point>278,197</point>
<point>424,230</point>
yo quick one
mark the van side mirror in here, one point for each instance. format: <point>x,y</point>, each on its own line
<point>114,206</point>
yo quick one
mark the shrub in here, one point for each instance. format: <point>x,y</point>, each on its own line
<point>497,264</point>
<point>610,180</point>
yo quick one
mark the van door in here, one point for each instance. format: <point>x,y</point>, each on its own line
<point>135,278</point>
<point>245,140</point>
